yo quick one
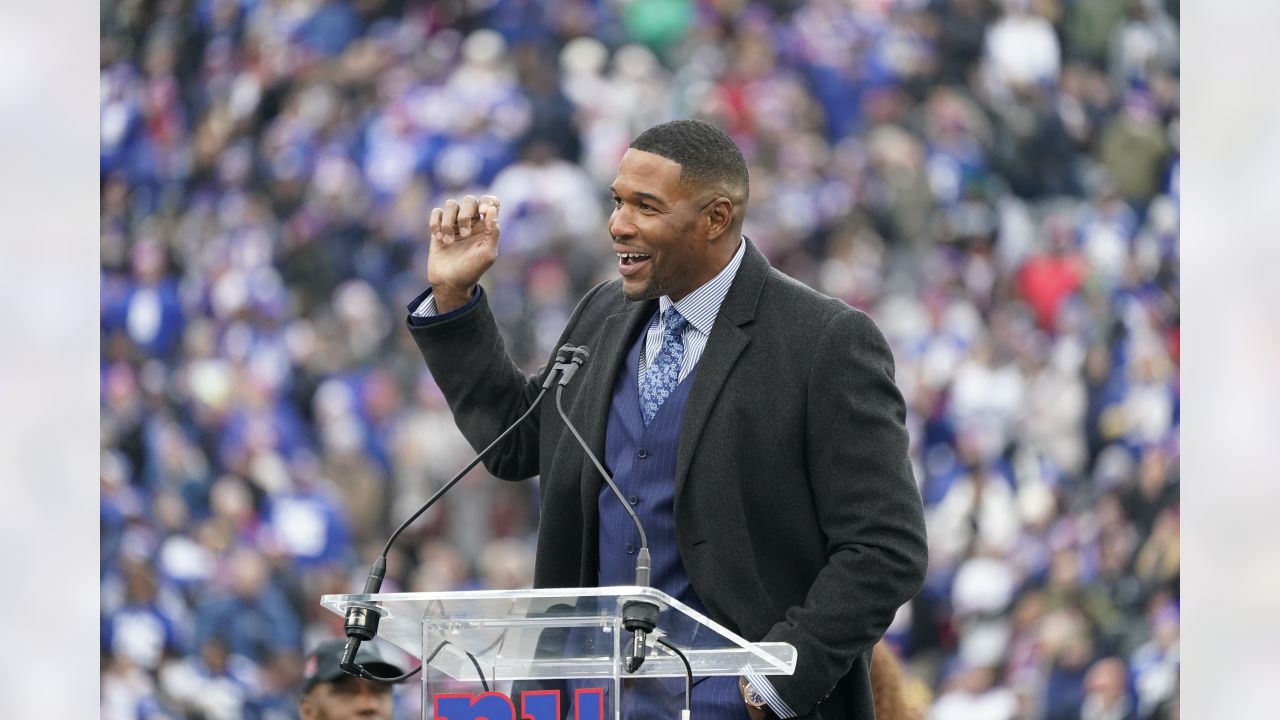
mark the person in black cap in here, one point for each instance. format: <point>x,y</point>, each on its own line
<point>330,694</point>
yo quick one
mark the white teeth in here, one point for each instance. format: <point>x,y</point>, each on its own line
<point>631,255</point>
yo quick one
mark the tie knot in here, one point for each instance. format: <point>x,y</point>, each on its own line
<point>674,321</point>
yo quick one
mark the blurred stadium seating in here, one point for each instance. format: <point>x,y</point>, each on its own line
<point>995,181</point>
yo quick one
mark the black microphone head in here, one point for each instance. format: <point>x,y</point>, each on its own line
<point>581,354</point>
<point>559,367</point>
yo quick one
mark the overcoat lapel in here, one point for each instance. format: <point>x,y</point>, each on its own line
<point>728,340</point>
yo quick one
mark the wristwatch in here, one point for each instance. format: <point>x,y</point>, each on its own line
<point>750,695</point>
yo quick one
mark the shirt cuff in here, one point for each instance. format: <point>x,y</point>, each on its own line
<point>423,312</point>
<point>761,684</point>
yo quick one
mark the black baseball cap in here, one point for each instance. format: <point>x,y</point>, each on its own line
<point>322,663</point>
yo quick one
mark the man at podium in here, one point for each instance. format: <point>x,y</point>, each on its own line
<point>752,423</point>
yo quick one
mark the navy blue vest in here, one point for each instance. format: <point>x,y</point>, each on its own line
<point>642,462</point>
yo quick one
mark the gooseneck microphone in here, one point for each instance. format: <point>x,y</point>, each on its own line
<point>361,621</point>
<point>638,616</point>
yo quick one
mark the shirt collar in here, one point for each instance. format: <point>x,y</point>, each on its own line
<point>701,306</point>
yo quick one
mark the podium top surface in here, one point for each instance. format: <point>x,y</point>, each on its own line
<point>556,633</point>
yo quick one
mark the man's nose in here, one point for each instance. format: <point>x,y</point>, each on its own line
<point>620,225</point>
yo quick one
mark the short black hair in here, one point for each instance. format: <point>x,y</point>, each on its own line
<point>706,154</point>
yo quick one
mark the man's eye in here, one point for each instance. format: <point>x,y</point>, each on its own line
<point>646,207</point>
<point>617,202</point>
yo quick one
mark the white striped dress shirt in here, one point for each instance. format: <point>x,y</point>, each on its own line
<point>700,308</point>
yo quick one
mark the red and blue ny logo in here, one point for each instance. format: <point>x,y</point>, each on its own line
<point>588,704</point>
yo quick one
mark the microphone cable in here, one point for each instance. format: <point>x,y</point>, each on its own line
<point>639,616</point>
<point>364,672</point>
<point>642,572</point>
<point>688,676</point>
<point>361,621</point>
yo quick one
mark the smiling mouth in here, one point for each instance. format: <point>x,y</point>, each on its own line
<point>627,259</point>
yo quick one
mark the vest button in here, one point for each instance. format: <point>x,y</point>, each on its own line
<point>631,549</point>
<point>642,453</point>
<point>634,500</point>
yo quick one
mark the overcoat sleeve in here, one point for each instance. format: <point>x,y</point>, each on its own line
<point>868,506</point>
<point>485,389</point>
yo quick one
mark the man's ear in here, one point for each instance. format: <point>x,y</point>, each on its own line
<point>719,217</point>
<point>306,708</point>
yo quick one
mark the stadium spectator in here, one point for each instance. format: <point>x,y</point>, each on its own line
<point>328,693</point>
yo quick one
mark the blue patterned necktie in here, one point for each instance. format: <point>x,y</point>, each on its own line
<point>662,375</point>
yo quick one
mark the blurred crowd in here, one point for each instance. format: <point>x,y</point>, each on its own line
<point>994,181</point>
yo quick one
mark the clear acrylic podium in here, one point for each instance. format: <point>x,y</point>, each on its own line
<point>569,634</point>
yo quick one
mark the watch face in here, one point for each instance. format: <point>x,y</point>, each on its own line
<point>754,699</point>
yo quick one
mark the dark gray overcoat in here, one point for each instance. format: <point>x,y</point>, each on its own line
<point>797,516</point>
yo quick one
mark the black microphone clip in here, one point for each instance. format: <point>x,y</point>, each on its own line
<point>640,617</point>
<point>361,621</point>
